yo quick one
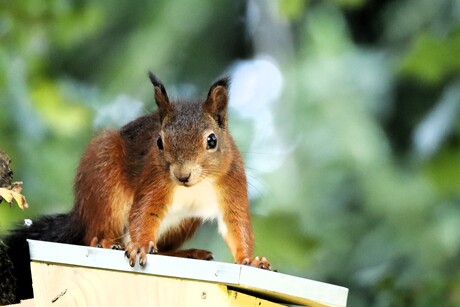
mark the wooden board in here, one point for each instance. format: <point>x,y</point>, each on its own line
<point>260,283</point>
<point>61,285</point>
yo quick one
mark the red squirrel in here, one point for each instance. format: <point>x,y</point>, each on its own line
<point>151,184</point>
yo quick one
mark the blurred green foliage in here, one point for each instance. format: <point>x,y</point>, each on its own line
<point>354,168</point>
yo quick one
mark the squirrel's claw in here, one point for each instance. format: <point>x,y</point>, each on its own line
<point>133,249</point>
<point>257,262</point>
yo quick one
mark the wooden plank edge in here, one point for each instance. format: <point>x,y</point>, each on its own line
<point>287,288</point>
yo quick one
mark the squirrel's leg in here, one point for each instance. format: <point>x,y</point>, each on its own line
<point>175,237</point>
<point>192,253</point>
<point>236,229</point>
<point>145,217</point>
<point>235,223</point>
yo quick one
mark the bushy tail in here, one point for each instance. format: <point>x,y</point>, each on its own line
<point>7,280</point>
<point>61,228</point>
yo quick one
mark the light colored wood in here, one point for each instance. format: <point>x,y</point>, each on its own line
<point>238,299</point>
<point>28,303</point>
<point>60,285</point>
<point>271,285</point>
<point>292,289</point>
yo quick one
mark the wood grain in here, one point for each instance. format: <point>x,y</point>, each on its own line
<point>60,285</point>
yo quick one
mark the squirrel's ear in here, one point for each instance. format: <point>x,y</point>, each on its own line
<point>161,97</point>
<point>217,102</point>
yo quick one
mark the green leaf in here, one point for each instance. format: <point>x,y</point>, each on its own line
<point>432,58</point>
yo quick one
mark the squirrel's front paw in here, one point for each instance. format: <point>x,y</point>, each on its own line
<point>257,262</point>
<point>132,249</point>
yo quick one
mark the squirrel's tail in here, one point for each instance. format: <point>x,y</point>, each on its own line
<point>61,228</point>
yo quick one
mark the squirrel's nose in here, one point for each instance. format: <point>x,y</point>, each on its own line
<point>184,173</point>
<point>183,179</point>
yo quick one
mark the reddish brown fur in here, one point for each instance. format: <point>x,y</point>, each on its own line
<point>125,181</point>
<point>233,189</point>
<point>103,194</point>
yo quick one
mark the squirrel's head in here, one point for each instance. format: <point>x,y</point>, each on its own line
<point>194,143</point>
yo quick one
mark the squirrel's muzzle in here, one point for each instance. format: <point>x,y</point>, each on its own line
<point>185,174</point>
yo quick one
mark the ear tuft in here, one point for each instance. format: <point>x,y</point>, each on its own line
<point>224,82</point>
<point>157,83</point>
<point>161,97</point>
<point>216,103</point>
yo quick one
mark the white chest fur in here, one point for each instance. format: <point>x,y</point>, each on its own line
<point>200,200</point>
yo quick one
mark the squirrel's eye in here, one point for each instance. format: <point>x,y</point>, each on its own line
<point>160,143</point>
<point>211,141</point>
